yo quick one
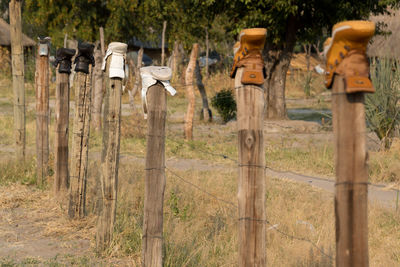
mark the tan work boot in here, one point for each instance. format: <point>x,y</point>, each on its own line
<point>345,55</point>
<point>247,54</point>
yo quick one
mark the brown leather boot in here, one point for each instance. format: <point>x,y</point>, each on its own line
<point>247,54</point>
<point>345,54</point>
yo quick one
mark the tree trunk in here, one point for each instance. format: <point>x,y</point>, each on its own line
<point>98,89</point>
<point>17,57</point>
<point>175,61</point>
<point>189,116</point>
<point>137,83</point>
<point>207,50</point>
<point>206,111</point>
<point>277,60</point>
<point>42,115</point>
<point>163,43</point>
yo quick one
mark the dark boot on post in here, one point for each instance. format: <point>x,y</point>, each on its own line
<point>63,59</point>
<point>84,57</point>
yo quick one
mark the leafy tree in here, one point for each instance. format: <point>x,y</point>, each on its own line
<point>288,21</point>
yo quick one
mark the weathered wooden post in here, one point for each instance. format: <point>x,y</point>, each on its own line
<point>113,64</point>
<point>17,57</point>
<point>155,80</point>
<point>206,111</point>
<point>347,75</point>
<point>189,116</point>
<point>42,109</point>
<point>207,53</point>
<point>63,64</point>
<point>248,73</point>
<point>81,130</point>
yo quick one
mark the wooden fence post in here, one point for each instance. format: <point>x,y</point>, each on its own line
<point>81,130</point>
<point>351,197</point>
<point>251,195</point>
<point>207,52</point>
<point>42,109</point>
<point>111,139</point>
<point>63,64</point>
<point>152,240</point>
<point>189,116</point>
<point>206,111</point>
<point>17,57</point>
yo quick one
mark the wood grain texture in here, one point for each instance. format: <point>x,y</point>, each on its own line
<point>251,194</point>
<point>42,116</point>
<point>17,64</point>
<point>80,145</point>
<point>189,116</point>
<point>152,240</point>
<point>109,160</point>
<point>351,196</point>
<point>61,175</point>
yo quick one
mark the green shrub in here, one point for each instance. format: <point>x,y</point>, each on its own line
<point>225,104</point>
<point>382,110</point>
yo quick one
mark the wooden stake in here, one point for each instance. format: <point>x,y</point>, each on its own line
<point>61,182</point>
<point>155,177</point>
<point>102,46</point>
<point>207,116</point>
<point>109,159</point>
<point>251,195</point>
<point>351,197</point>
<point>80,144</point>
<point>163,43</point>
<point>17,56</point>
<point>189,116</point>
<point>42,113</point>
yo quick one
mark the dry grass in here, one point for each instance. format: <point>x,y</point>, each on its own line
<point>198,229</point>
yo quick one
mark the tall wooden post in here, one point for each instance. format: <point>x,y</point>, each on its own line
<point>189,116</point>
<point>63,63</point>
<point>163,43</point>
<point>81,130</point>
<point>42,109</point>
<point>175,59</point>
<point>110,153</point>
<point>17,57</point>
<point>155,177</point>
<point>251,195</point>
<point>351,197</point>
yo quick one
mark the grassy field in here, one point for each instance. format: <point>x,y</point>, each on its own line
<point>199,229</point>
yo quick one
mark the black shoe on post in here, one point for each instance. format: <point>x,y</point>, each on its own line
<point>84,57</point>
<point>64,57</point>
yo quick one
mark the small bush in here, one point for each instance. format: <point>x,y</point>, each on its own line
<point>382,111</point>
<point>225,104</point>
